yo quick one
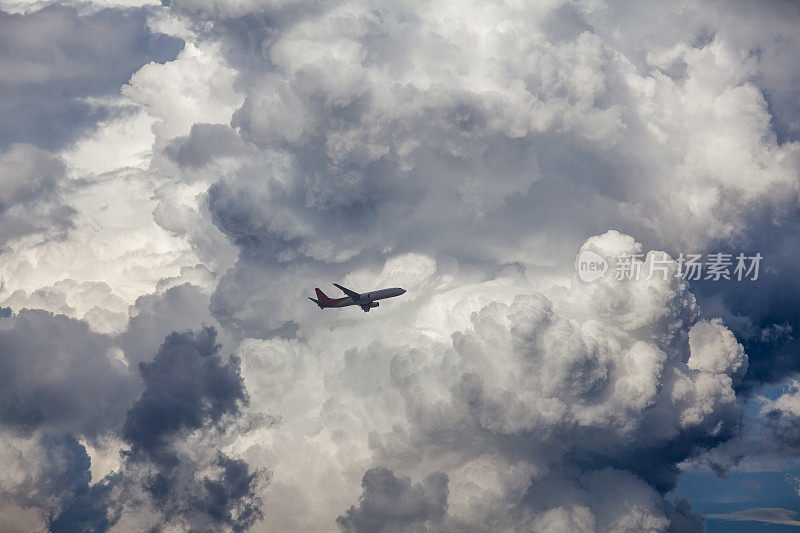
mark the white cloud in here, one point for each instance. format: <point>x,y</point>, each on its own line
<point>113,239</point>
<point>195,87</point>
<point>121,142</point>
<point>770,515</point>
<point>461,151</point>
<point>509,404</point>
<point>714,349</point>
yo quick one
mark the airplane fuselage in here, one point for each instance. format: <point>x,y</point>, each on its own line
<point>366,300</point>
<point>369,297</point>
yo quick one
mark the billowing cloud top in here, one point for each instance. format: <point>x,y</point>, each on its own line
<point>175,179</point>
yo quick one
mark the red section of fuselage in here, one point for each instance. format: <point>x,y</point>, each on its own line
<point>326,301</point>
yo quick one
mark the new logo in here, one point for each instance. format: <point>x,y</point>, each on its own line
<point>591,266</point>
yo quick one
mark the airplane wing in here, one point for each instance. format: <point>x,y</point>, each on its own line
<point>352,294</point>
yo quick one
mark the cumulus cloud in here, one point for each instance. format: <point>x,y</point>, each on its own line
<point>782,420</point>
<point>532,411</point>
<point>541,127</point>
<point>53,65</point>
<point>391,112</point>
<point>195,87</point>
<point>536,123</point>
<point>463,151</point>
<point>93,222</point>
<point>112,241</point>
<point>93,301</point>
<point>714,349</point>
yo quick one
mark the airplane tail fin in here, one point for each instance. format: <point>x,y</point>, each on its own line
<point>323,299</point>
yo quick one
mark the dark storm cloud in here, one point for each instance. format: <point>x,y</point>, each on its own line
<point>227,499</point>
<point>186,386</point>
<point>231,498</point>
<point>57,374</point>
<point>189,396</point>
<point>53,58</point>
<point>391,503</point>
<point>90,509</point>
<point>48,485</point>
<point>189,388</point>
<point>763,318</point>
<point>67,465</point>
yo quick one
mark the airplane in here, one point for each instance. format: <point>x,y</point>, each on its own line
<point>365,300</point>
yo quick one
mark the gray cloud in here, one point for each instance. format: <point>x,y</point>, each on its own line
<point>532,408</point>
<point>389,503</point>
<point>204,143</point>
<point>371,133</point>
<point>56,57</point>
<point>31,180</point>
<point>231,499</point>
<point>60,379</point>
<point>90,509</point>
<point>757,308</point>
<point>58,375</point>
<point>93,301</point>
<point>224,500</point>
<point>187,388</point>
<point>781,423</point>
<point>368,146</point>
<point>604,501</point>
<point>156,315</point>
<point>461,151</point>
<point>46,485</point>
<point>28,174</point>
